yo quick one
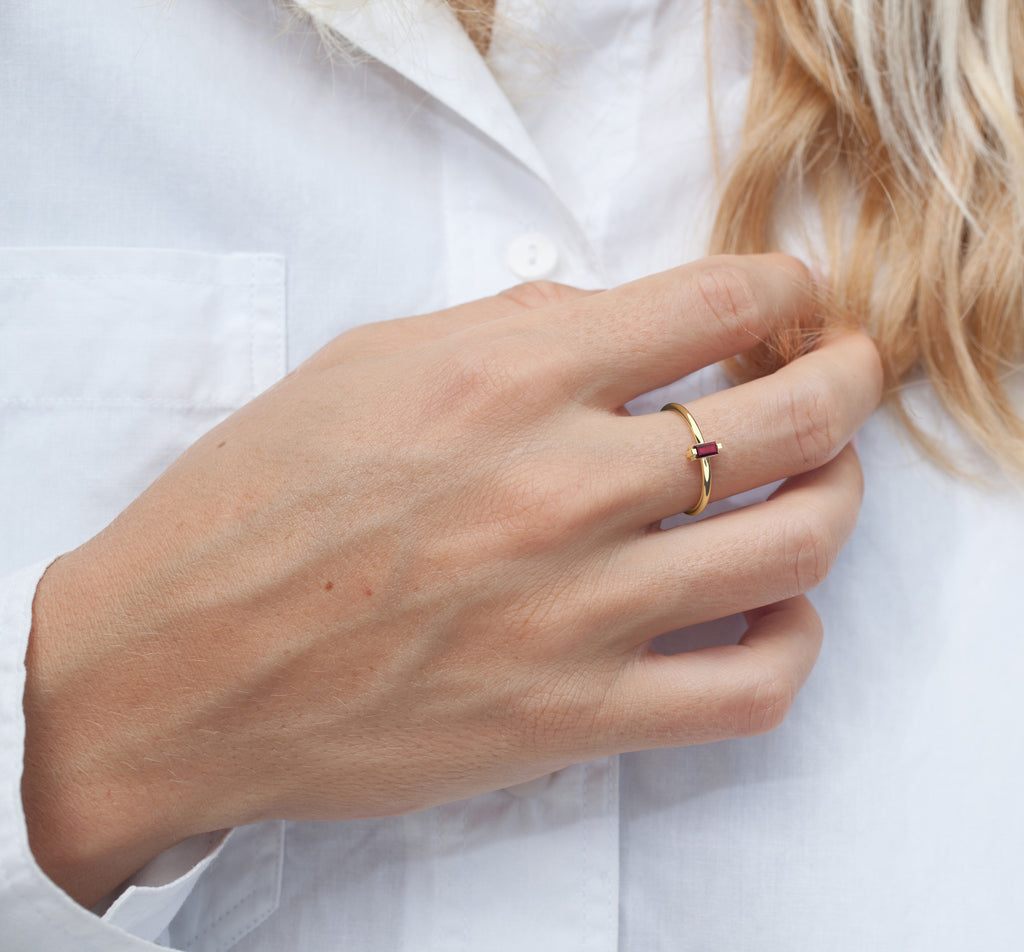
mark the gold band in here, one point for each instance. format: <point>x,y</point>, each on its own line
<point>700,451</point>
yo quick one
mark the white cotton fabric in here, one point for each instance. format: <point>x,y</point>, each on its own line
<point>196,199</point>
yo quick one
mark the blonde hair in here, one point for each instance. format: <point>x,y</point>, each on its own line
<point>899,121</point>
<point>896,126</point>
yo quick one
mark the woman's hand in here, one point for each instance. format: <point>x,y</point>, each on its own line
<point>422,567</point>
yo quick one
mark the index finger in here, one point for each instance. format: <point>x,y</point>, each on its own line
<point>620,343</point>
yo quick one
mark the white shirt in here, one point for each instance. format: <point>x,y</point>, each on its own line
<point>196,199</point>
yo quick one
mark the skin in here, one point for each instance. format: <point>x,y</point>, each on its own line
<point>426,565</point>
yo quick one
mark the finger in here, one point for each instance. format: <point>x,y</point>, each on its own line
<point>717,693</point>
<point>613,346</point>
<point>386,337</point>
<point>736,561</point>
<point>791,422</point>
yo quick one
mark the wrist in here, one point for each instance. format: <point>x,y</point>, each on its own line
<point>96,807</point>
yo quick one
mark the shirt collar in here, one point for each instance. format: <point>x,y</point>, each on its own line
<point>424,42</point>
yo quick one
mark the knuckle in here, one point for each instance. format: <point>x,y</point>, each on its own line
<point>728,294</point>
<point>537,294</point>
<point>770,699</point>
<point>810,548</point>
<point>533,506</point>
<point>483,373</point>
<point>503,376</point>
<point>552,716</point>
<point>363,334</point>
<point>814,419</point>
<point>798,270</point>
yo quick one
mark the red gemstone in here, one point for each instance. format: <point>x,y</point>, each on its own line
<point>701,450</point>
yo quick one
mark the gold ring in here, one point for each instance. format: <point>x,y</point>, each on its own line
<point>700,451</point>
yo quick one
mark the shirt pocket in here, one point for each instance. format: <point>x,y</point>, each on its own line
<point>240,889</point>
<point>113,361</point>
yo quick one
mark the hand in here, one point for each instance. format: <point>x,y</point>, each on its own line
<point>423,566</point>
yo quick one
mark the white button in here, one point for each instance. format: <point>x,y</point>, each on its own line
<point>532,256</point>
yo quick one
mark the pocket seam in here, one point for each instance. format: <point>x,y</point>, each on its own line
<point>254,281</point>
<point>226,942</point>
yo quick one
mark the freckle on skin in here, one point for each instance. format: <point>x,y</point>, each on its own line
<point>328,585</point>
<point>221,443</point>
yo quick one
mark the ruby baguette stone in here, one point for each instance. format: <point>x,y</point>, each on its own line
<point>703,450</point>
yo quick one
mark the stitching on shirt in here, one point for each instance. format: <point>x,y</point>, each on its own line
<point>434,851</point>
<point>252,321</point>
<point>610,801</point>
<point>243,930</point>
<point>264,912</point>
<point>252,284</point>
<point>209,926</point>
<point>280,322</point>
<point>269,908</point>
<point>247,927</point>
<point>585,864</point>
<point>146,276</point>
<point>464,851</point>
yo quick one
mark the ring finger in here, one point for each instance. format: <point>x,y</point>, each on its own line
<point>791,422</point>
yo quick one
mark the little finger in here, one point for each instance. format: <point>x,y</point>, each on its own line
<point>721,692</point>
<point>736,561</point>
